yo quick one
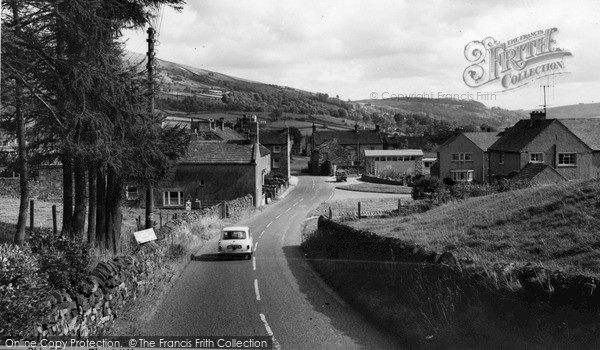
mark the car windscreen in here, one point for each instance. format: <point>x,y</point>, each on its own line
<point>234,235</point>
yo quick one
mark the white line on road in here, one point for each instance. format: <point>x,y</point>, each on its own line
<point>262,233</point>
<point>255,245</point>
<point>256,290</point>
<point>270,332</point>
<point>288,209</point>
<point>269,224</point>
<point>278,216</point>
<point>254,263</point>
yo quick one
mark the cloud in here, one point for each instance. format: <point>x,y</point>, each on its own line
<point>347,47</point>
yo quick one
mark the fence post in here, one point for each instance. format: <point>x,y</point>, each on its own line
<point>399,205</point>
<point>54,223</point>
<point>160,215</point>
<point>359,210</point>
<point>31,216</point>
<point>330,214</point>
<point>223,210</point>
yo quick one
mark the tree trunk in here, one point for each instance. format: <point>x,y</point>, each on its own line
<point>19,237</point>
<point>91,231</point>
<point>113,210</point>
<point>67,197</point>
<point>80,205</point>
<point>101,208</point>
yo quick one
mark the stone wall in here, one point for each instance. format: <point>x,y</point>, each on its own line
<point>92,309</point>
<point>378,180</point>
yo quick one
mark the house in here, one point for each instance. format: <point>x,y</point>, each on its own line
<point>571,147</point>
<point>278,142</point>
<point>353,142</point>
<point>215,171</point>
<point>391,163</point>
<point>328,156</point>
<point>464,157</point>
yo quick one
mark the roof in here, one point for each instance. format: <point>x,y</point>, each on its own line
<point>517,137</point>
<point>219,152</point>
<point>393,152</point>
<point>273,137</point>
<point>531,170</point>
<point>236,228</point>
<point>482,140</point>
<point>586,129</point>
<point>363,137</point>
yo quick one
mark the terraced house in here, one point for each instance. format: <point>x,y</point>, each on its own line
<point>548,150</point>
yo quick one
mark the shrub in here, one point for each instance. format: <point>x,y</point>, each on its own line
<point>21,287</point>
<point>426,188</point>
<point>65,261</point>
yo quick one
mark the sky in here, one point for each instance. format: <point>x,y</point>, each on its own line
<point>361,50</point>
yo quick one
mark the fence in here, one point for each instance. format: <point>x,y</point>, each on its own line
<point>404,207</point>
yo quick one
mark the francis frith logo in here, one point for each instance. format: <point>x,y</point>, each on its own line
<point>515,62</point>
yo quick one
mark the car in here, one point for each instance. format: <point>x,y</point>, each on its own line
<point>341,175</point>
<point>235,241</point>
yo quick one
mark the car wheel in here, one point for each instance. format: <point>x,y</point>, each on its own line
<point>249,256</point>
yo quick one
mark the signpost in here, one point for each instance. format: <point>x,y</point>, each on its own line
<point>144,236</point>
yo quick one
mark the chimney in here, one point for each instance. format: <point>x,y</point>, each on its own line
<point>254,134</point>
<point>222,123</point>
<point>537,115</point>
<point>377,128</point>
<point>356,127</point>
<point>314,128</point>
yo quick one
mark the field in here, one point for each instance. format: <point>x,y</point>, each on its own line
<point>557,227</point>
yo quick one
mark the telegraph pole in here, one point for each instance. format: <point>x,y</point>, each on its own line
<point>150,67</point>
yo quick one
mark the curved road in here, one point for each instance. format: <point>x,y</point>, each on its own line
<point>276,293</point>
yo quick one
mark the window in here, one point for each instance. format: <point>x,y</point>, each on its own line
<point>172,198</point>
<point>462,175</point>
<point>376,159</point>
<point>462,157</point>
<point>234,235</point>
<point>567,159</point>
<point>536,157</point>
<point>501,158</point>
<point>413,158</point>
<point>276,164</point>
<point>131,193</point>
<point>427,164</point>
<point>276,149</point>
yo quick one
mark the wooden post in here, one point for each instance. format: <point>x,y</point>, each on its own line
<point>359,210</point>
<point>160,215</point>
<point>223,211</point>
<point>54,223</point>
<point>399,205</point>
<point>330,214</point>
<point>31,216</point>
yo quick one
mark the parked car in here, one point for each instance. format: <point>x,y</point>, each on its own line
<point>341,175</point>
<point>235,241</point>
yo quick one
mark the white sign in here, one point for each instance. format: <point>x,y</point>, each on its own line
<point>144,236</point>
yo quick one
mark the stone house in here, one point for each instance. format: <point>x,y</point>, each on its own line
<point>215,171</point>
<point>569,146</point>
<point>278,142</point>
<point>464,157</point>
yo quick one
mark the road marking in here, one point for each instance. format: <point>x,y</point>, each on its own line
<point>270,332</point>
<point>269,224</point>
<point>255,245</point>
<point>288,209</point>
<point>254,263</point>
<point>278,216</point>
<point>256,290</point>
<point>311,218</point>
<point>262,233</point>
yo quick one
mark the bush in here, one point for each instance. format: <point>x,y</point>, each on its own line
<point>426,188</point>
<point>65,261</point>
<point>21,287</point>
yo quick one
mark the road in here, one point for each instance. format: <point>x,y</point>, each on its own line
<point>275,294</point>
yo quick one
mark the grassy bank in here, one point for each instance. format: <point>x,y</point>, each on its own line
<point>557,227</point>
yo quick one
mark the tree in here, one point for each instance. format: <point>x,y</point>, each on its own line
<point>276,114</point>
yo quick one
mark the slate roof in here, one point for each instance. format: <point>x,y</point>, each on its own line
<point>363,137</point>
<point>482,140</point>
<point>219,152</point>
<point>517,137</point>
<point>586,129</point>
<point>531,170</point>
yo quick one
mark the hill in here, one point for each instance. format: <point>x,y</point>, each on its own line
<point>192,90</point>
<point>555,226</point>
<point>581,110</point>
